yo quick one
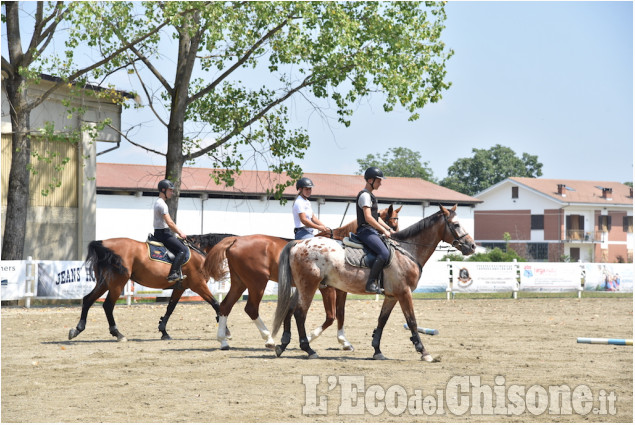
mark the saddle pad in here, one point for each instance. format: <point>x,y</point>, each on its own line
<point>158,252</point>
<point>357,257</point>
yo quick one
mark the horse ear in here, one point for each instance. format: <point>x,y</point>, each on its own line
<point>444,210</point>
<point>454,207</point>
<point>398,209</point>
<point>389,213</point>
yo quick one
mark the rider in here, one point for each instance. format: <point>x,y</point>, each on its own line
<point>163,228</point>
<point>303,217</point>
<point>370,226</point>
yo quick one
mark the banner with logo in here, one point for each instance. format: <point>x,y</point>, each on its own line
<point>550,277</point>
<point>13,280</point>
<point>435,277</point>
<point>67,280</point>
<point>483,277</point>
<point>609,277</point>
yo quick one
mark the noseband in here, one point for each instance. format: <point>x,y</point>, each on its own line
<point>457,239</point>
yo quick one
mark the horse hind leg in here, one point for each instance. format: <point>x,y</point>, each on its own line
<point>286,335</point>
<point>87,303</point>
<point>340,306</point>
<point>109,306</point>
<point>328,298</point>
<point>386,309</point>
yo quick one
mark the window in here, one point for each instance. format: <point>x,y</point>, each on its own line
<point>628,224</point>
<point>515,192</point>
<point>537,222</point>
<point>604,223</point>
<point>538,251</point>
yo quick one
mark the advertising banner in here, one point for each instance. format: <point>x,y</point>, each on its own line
<point>483,277</point>
<point>66,280</point>
<point>13,280</point>
<point>550,277</point>
<point>435,277</point>
<point>608,277</point>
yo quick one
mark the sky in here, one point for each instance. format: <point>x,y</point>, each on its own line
<point>552,79</point>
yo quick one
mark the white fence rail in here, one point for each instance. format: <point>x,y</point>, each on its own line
<point>33,279</point>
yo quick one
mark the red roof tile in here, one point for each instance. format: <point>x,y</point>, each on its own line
<point>130,177</point>
<point>584,191</point>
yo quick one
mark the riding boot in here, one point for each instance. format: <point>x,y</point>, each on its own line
<point>372,285</point>
<point>175,272</point>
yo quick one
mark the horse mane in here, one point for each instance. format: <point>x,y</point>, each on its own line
<point>208,239</point>
<point>418,227</point>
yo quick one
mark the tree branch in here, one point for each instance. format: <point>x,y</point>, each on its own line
<point>133,143</point>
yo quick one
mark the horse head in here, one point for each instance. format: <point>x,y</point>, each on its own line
<point>391,217</point>
<point>455,234</point>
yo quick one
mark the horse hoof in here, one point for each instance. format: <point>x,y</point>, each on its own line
<point>166,337</point>
<point>379,356</point>
<point>428,358</point>
<point>348,347</point>
<point>313,356</point>
<point>225,348</point>
<point>279,351</point>
<point>72,333</point>
<point>270,345</point>
<point>122,339</point>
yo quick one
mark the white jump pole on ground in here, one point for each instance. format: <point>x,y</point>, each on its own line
<point>30,282</point>
<point>426,331</point>
<point>610,341</point>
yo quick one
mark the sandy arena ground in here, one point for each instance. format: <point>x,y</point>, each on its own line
<point>513,349</point>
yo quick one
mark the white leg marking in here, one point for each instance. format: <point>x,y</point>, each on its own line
<point>264,333</point>
<point>315,333</point>
<point>341,337</point>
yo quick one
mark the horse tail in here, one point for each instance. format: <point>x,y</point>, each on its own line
<point>104,262</point>
<point>215,258</point>
<point>286,300</point>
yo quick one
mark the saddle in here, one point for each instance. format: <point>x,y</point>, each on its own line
<point>357,255</point>
<point>158,252</point>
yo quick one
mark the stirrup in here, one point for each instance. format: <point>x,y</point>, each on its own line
<point>176,277</point>
<point>373,288</point>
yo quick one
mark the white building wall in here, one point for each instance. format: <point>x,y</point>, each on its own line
<point>131,216</point>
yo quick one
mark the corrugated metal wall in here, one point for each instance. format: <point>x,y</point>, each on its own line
<point>47,173</point>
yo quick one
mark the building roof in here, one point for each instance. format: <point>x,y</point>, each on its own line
<point>579,191</point>
<point>135,178</point>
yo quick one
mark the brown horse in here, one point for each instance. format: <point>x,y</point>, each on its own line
<point>310,262</point>
<point>253,261</point>
<point>115,261</point>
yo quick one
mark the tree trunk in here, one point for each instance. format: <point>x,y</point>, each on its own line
<point>174,164</point>
<point>18,189</point>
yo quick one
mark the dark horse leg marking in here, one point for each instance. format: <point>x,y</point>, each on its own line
<point>386,309</point>
<point>163,322</point>
<point>87,303</point>
<point>286,335</point>
<point>109,305</point>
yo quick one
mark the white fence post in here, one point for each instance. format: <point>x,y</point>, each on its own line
<point>517,268</point>
<point>128,293</point>
<point>448,289</point>
<point>30,282</point>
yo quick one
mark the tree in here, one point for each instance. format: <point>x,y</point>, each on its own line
<point>22,68</point>
<point>398,162</point>
<point>335,52</point>
<point>488,167</point>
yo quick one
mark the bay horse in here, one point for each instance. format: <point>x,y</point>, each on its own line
<point>310,262</point>
<point>115,261</point>
<point>253,261</point>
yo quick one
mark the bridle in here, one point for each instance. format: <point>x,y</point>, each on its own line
<point>457,239</point>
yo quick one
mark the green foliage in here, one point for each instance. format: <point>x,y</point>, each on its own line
<point>332,53</point>
<point>488,167</point>
<point>497,255</point>
<point>453,257</point>
<point>398,162</point>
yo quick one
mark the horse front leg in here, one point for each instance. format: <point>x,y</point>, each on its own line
<point>340,305</point>
<point>87,303</point>
<point>163,322</point>
<point>386,309</point>
<point>408,311</point>
<point>253,311</point>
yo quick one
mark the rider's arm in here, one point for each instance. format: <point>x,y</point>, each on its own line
<point>385,226</point>
<point>315,224</point>
<point>370,220</point>
<point>172,226</point>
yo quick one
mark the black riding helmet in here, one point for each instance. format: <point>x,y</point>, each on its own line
<point>373,173</point>
<point>303,182</point>
<point>165,185</point>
